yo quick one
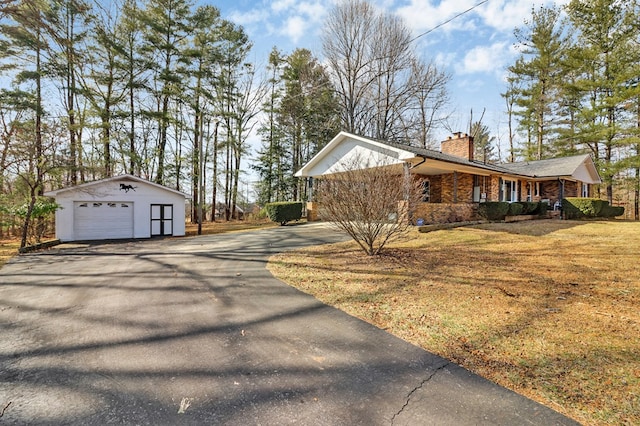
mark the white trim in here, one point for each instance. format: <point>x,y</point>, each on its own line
<point>306,170</point>
<point>111,179</point>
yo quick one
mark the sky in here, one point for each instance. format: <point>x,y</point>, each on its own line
<point>474,48</point>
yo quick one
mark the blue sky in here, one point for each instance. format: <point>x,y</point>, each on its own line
<point>474,48</point>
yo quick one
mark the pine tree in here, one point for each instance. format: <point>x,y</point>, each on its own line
<point>166,25</point>
<point>537,75</point>
<point>606,31</point>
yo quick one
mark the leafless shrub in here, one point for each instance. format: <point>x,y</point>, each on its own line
<point>372,203</point>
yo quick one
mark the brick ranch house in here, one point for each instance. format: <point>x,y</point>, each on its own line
<point>454,183</point>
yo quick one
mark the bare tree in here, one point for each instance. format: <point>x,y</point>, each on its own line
<point>380,83</point>
<point>429,98</point>
<point>346,39</point>
<point>370,201</point>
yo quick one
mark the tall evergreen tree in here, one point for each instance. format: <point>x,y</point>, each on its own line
<point>606,30</point>
<point>269,165</point>
<point>166,26</point>
<point>537,75</point>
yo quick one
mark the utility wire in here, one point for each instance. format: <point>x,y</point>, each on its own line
<point>447,21</point>
<point>329,83</point>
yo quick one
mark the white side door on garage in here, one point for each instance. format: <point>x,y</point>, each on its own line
<point>102,220</point>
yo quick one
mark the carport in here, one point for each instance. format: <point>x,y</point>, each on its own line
<point>118,207</point>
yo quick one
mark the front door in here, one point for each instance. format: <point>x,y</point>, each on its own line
<point>161,219</point>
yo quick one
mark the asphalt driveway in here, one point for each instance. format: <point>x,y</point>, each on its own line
<point>196,331</point>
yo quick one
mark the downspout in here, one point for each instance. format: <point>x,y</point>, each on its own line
<point>424,160</point>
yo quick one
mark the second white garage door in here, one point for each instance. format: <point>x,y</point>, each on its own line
<point>102,220</point>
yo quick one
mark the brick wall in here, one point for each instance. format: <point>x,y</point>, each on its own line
<point>572,189</point>
<point>460,145</point>
<point>435,186</point>
<point>432,213</point>
<point>457,188</point>
<point>494,189</point>
<point>312,211</point>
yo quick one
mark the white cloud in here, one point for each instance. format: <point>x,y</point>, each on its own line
<point>499,15</point>
<point>282,5</point>
<point>486,59</point>
<point>505,15</point>
<point>316,11</point>
<point>424,15</point>
<point>251,17</point>
<point>294,28</point>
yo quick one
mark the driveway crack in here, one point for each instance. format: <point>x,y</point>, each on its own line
<point>414,390</point>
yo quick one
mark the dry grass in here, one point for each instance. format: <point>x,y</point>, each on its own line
<point>8,249</point>
<point>550,309</point>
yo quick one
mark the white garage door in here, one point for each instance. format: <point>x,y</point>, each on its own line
<point>102,220</point>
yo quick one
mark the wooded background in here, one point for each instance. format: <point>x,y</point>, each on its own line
<point>162,89</point>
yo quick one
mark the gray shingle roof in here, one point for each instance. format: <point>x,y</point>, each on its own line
<point>553,167</point>
<point>437,155</point>
<point>563,166</point>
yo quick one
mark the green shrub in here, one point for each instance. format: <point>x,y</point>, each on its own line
<point>493,210</point>
<point>538,208</point>
<point>515,209</point>
<point>284,212</point>
<point>611,211</point>
<point>262,214</point>
<point>543,206</point>
<point>525,206</point>
<point>575,208</point>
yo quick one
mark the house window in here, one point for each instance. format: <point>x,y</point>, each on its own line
<point>585,190</point>
<point>426,191</point>
<point>509,190</point>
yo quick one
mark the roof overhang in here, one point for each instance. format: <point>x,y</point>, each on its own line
<point>348,151</point>
<point>124,177</point>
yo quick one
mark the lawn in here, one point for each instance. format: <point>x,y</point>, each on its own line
<point>550,309</point>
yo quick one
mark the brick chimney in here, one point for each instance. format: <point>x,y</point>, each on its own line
<point>459,145</point>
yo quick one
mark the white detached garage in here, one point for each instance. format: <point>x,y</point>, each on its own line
<point>118,207</point>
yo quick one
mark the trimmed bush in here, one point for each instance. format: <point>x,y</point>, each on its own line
<point>525,207</point>
<point>543,206</point>
<point>575,208</point>
<point>538,208</point>
<point>493,210</point>
<point>611,211</point>
<point>284,212</point>
<point>515,209</point>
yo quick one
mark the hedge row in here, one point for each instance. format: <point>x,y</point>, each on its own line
<point>498,210</point>
<point>284,212</point>
<point>576,208</point>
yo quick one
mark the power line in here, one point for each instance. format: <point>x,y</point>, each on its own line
<point>447,21</point>
<point>329,83</point>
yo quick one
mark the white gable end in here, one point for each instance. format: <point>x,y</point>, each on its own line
<point>352,152</point>
<point>586,173</point>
